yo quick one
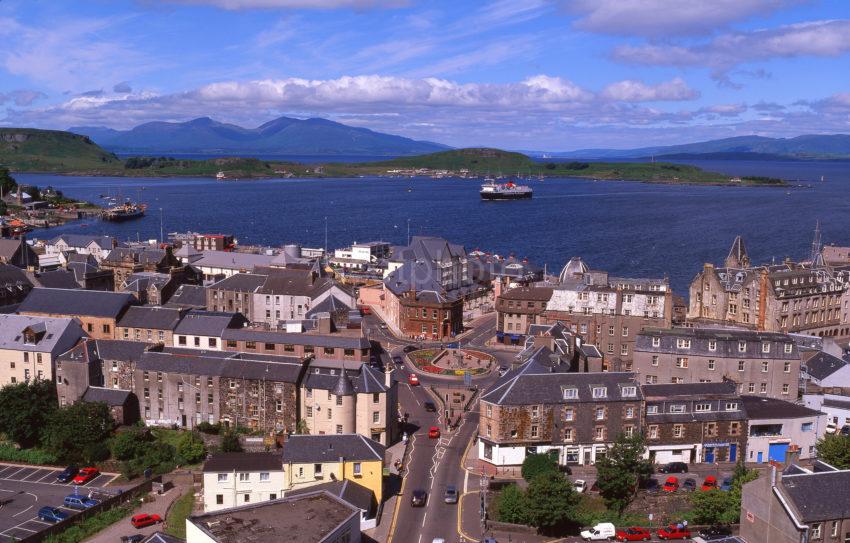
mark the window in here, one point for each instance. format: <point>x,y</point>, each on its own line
<point>656,341</point>
<point>712,345</point>
<point>702,407</point>
<point>330,413</point>
<point>301,472</point>
<point>681,362</point>
<point>683,343</point>
<point>751,388</point>
<point>339,400</point>
<point>328,350</point>
<point>630,412</point>
<point>731,406</point>
<point>600,392</point>
<point>741,365</point>
<point>654,360</point>
<point>786,388</point>
<point>339,428</point>
<point>807,426</point>
<point>763,388</point>
<point>600,413</point>
<point>765,366</point>
<point>624,349</point>
<point>816,527</point>
<point>357,469</point>
<point>570,393</point>
<point>535,411</point>
<point>569,414</point>
<point>317,470</point>
<point>599,433</point>
<point>534,430</point>
<point>677,408</point>
<point>264,476</point>
<point>651,409</point>
<point>835,524</point>
<point>742,346</point>
<point>789,347</point>
<point>765,347</point>
<point>678,430</point>
<point>219,498</point>
<point>213,342</point>
<point>629,392</point>
<point>651,379</point>
<point>568,434</point>
<point>309,411</point>
<point>376,417</point>
<point>197,341</point>
<point>246,498</point>
<point>787,367</point>
<point>611,330</point>
<point>278,406</point>
<point>222,477</point>
<point>653,431</point>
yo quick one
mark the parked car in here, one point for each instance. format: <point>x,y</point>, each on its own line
<point>450,495</point>
<point>85,475</point>
<point>580,485</point>
<point>673,532</point>
<point>601,532</point>
<point>67,474</point>
<point>845,430</point>
<point>140,521</point>
<point>397,360</point>
<point>689,484</point>
<point>673,467</point>
<point>78,501</point>
<point>715,532</point>
<point>710,483</point>
<point>52,514</point>
<point>726,485</point>
<point>434,432</point>
<point>634,533</point>
<point>650,485</point>
<point>413,380</point>
<point>418,498</point>
<point>429,406</point>
<point>671,484</point>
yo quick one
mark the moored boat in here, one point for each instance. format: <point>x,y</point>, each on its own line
<point>505,191</point>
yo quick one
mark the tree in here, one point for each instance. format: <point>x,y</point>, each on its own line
<point>24,409</point>
<point>191,448</point>
<point>834,449</point>
<point>130,444</point>
<point>78,432</point>
<point>550,500</point>
<point>7,182</point>
<point>620,470</point>
<point>537,464</point>
<point>230,443</point>
<point>513,506</point>
<point>718,507</point>
<point>301,427</point>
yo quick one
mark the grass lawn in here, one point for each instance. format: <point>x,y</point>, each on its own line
<point>176,520</point>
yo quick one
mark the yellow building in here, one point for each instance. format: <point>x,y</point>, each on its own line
<point>314,459</point>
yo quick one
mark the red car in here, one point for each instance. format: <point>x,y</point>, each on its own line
<point>140,521</point>
<point>673,532</point>
<point>434,432</point>
<point>710,483</point>
<point>671,484</point>
<point>85,475</point>
<point>634,533</point>
<point>412,380</point>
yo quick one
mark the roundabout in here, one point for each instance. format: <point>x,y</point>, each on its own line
<point>452,363</point>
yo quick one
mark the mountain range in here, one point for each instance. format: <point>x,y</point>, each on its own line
<point>741,147</point>
<point>282,136</point>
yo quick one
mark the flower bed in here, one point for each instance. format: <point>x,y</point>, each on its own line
<point>425,360</point>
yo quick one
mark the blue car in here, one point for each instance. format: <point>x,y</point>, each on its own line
<point>726,485</point>
<point>78,501</point>
<point>51,514</point>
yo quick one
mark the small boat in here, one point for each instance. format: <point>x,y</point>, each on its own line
<point>124,212</point>
<point>220,176</point>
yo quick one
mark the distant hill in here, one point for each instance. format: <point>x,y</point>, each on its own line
<point>283,136</point>
<point>800,147</point>
<point>474,159</point>
<point>29,149</point>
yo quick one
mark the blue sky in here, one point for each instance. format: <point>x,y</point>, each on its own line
<point>535,74</point>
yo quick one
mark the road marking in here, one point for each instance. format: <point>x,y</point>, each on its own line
<point>45,477</point>
<point>465,480</point>
<point>22,512</point>
<point>424,517</point>
<point>13,474</point>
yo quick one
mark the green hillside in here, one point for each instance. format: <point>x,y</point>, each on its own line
<point>32,150</point>
<point>472,159</point>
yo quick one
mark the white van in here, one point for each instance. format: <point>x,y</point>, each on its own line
<point>600,532</point>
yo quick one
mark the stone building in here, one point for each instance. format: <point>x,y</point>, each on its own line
<point>150,324</point>
<point>517,309</point>
<point>126,261</point>
<point>542,406</point>
<point>122,404</point>
<point>608,311</point>
<point>761,363</point>
<point>326,345</point>
<point>805,298</point>
<point>694,423</point>
<point>95,363</point>
<point>14,285</point>
<point>97,311</point>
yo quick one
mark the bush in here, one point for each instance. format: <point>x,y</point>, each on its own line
<point>25,409</point>
<point>538,464</point>
<point>208,428</point>
<point>230,443</point>
<point>191,449</point>
<point>10,453</point>
<point>130,444</point>
<point>512,506</point>
<point>78,432</point>
<point>176,520</point>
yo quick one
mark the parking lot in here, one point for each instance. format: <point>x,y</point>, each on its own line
<point>25,489</point>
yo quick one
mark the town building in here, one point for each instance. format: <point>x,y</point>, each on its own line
<point>123,404</point>
<point>97,311</point>
<point>542,406</point>
<point>18,253</point>
<point>29,346</point>
<point>235,479</point>
<point>503,273</point>
<point>126,261</point>
<point>517,309</point>
<point>87,273</point>
<point>317,517</point>
<point>326,345</point>
<point>762,363</point>
<point>212,242</point>
<point>349,491</point>
<point>203,329</point>
<point>235,293</point>
<point>789,297</point>
<point>313,459</point>
<point>14,286</point>
<point>360,256</point>
<point>797,505</point>
<point>95,363</point>
<point>216,265</point>
<point>150,324</point>
<point>188,297</point>
<point>826,388</point>
<point>775,426</point>
<point>609,312</point>
<point>97,246</point>
<point>694,423</point>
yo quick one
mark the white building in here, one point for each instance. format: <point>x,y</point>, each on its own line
<point>775,426</point>
<point>235,479</point>
<point>97,246</point>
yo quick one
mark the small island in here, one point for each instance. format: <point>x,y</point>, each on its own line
<point>51,151</point>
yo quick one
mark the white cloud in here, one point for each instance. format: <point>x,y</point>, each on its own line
<point>22,97</point>
<point>291,4</point>
<point>663,18</point>
<point>638,91</point>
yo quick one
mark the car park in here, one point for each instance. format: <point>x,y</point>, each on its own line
<point>52,514</point>
<point>649,485</point>
<point>726,485</point>
<point>671,484</point>
<point>715,532</point>
<point>635,533</point>
<point>673,467</point>
<point>143,520</point>
<point>67,474</point>
<point>434,432</point>
<point>450,495</point>
<point>710,483</point>
<point>673,532</point>
<point>418,498</point>
<point>412,380</point>
<point>85,475</point>
<point>580,485</point>
<point>601,532</point>
<point>429,406</point>
<point>78,501</point>
<point>689,485</point>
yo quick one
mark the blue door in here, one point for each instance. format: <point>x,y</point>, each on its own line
<point>733,452</point>
<point>709,455</point>
<point>777,452</point>
<point>760,458</point>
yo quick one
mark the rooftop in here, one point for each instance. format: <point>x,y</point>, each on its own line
<point>758,407</point>
<point>330,448</point>
<point>208,323</point>
<point>156,318</point>
<point>89,303</point>
<point>724,388</point>
<point>109,396</point>
<point>243,461</point>
<point>822,365</point>
<point>819,496</point>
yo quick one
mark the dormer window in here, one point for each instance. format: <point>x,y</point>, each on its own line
<point>629,392</point>
<point>600,392</point>
<point>570,393</point>
<point>742,346</point>
<point>683,343</point>
<point>677,408</point>
<point>765,346</point>
<point>731,406</point>
<point>651,409</point>
<point>712,345</point>
<point>656,341</point>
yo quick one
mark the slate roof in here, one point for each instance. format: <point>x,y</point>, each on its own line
<point>89,303</point>
<point>8,247</point>
<point>758,407</point>
<point>822,365</point>
<point>542,294</point>
<point>840,404</point>
<point>294,282</point>
<point>229,365</point>
<point>243,461</point>
<point>82,240</point>
<point>318,340</point>
<point>357,495</point>
<point>189,296</point>
<point>330,447</point>
<point>364,379</point>
<point>232,261</point>
<point>207,323</point>
<point>421,277</point>
<point>241,282</point>
<point>140,255</point>
<point>726,342</point>
<point>343,386</point>
<point>112,397</point>
<point>155,318</point>
<point>141,281</point>
<point>61,278</point>
<point>114,349</point>
<point>819,497</point>
<point>12,277</point>
<point>723,388</point>
<point>55,333</point>
<point>331,304</point>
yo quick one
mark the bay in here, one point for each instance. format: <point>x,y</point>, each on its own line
<point>628,228</point>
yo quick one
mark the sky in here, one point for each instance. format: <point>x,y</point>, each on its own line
<point>517,74</point>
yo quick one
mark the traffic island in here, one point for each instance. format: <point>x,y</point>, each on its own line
<point>452,363</point>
